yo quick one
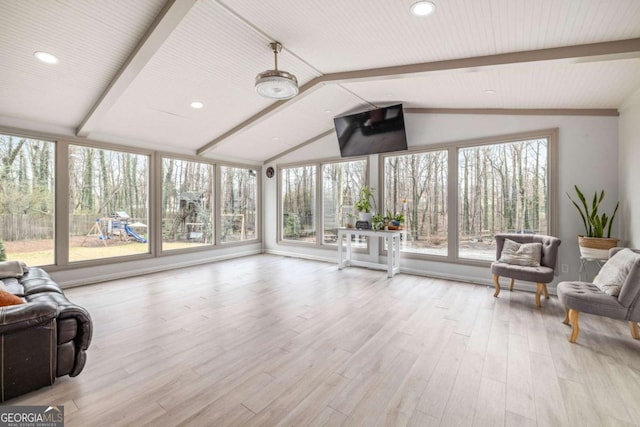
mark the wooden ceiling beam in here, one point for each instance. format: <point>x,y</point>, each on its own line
<point>165,23</point>
<point>594,52</point>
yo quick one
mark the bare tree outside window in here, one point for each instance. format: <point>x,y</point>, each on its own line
<point>187,196</point>
<point>298,220</point>
<point>238,211</point>
<point>108,203</point>
<point>27,199</point>
<point>341,183</point>
<point>415,185</point>
<point>501,188</point>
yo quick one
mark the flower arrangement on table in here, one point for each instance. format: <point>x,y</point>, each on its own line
<point>387,222</point>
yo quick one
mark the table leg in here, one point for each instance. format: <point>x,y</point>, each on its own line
<point>396,255</point>
<point>389,240</point>
<point>340,237</point>
<point>348,258</point>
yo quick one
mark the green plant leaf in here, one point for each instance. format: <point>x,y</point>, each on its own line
<point>584,219</point>
<point>615,211</point>
<point>583,214</point>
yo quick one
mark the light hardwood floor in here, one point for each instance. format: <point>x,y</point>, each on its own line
<point>268,340</point>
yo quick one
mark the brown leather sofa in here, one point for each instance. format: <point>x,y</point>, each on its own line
<point>45,338</point>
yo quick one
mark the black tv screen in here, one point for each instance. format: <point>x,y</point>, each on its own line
<point>370,132</point>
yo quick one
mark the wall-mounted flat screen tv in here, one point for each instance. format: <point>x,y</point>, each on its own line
<point>370,132</point>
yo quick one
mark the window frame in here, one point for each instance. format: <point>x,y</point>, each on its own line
<point>218,204</point>
<point>453,150</point>
<point>280,239</point>
<point>149,159</point>
<point>36,136</point>
<point>61,198</point>
<point>61,244</point>
<point>158,215</point>
<point>319,211</point>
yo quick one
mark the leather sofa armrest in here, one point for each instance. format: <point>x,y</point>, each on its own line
<point>83,319</point>
<point>14,318</point>
<point>70,361</point>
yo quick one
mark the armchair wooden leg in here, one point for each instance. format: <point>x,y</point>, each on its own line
<point>539,288</point>
<point>575,329</point>
<point>511,284</point>
<point>545,291</point>
<point>635,332</point>
<point>566,317</point>
<point>497,285</point>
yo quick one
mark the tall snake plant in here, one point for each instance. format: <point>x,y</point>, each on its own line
<point>594,224</point>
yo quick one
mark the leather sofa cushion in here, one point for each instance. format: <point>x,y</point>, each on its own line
<point>13,286</point>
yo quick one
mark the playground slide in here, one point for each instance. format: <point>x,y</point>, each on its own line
<point>135,235</point>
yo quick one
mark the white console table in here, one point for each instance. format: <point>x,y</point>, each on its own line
<point>393,253</point>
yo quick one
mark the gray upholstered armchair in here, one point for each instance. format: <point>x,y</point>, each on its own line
<point>623,304</point>
<point>541,275</point>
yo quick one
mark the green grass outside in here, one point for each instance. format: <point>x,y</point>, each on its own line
<point>45,257</point>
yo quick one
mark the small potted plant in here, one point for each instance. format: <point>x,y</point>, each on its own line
<point>378,222</point>
<point>365,203</point>
<point>351,219</point>
<point>397,220</point>
<point>595,243</point>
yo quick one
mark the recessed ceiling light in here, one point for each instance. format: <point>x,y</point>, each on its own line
<point>327,111</point>
<point>489,91</point>
<point>197,105</point>
<point>423,8</point>
<point>45,57</point>
<point>275,138</point>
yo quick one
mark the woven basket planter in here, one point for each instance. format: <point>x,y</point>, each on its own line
<point>596,247</point>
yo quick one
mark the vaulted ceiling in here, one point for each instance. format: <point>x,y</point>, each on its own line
<point>128,70</point>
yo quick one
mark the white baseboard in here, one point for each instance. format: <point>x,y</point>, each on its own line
<point>124,273</point>
<point>520,286</point>
<point>302,256</point>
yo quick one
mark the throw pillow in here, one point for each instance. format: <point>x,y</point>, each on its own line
<point>11,269</point>
<point>525,254</point>
<point>615,271</point>
<point>7,298</point>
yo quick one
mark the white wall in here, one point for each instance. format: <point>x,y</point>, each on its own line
<point>629,171</point>
<point>588,156</point>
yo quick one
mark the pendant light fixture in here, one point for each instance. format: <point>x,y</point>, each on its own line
<point>276,84</point>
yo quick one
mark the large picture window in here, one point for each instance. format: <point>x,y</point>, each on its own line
<point>498,185</point>
<point>187,210</point>
<point>108,203</point>
<point>501,188</point>
<point>298,218</point>
<point>341,183</point>
<point>102,202</point>
<point>27,200</point>
<point>415,186</point>
<point>239,206</point>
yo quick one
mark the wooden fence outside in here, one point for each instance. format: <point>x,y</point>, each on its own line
<point>17,227</point>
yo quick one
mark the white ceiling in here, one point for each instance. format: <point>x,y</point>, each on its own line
<point>129,70</point>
